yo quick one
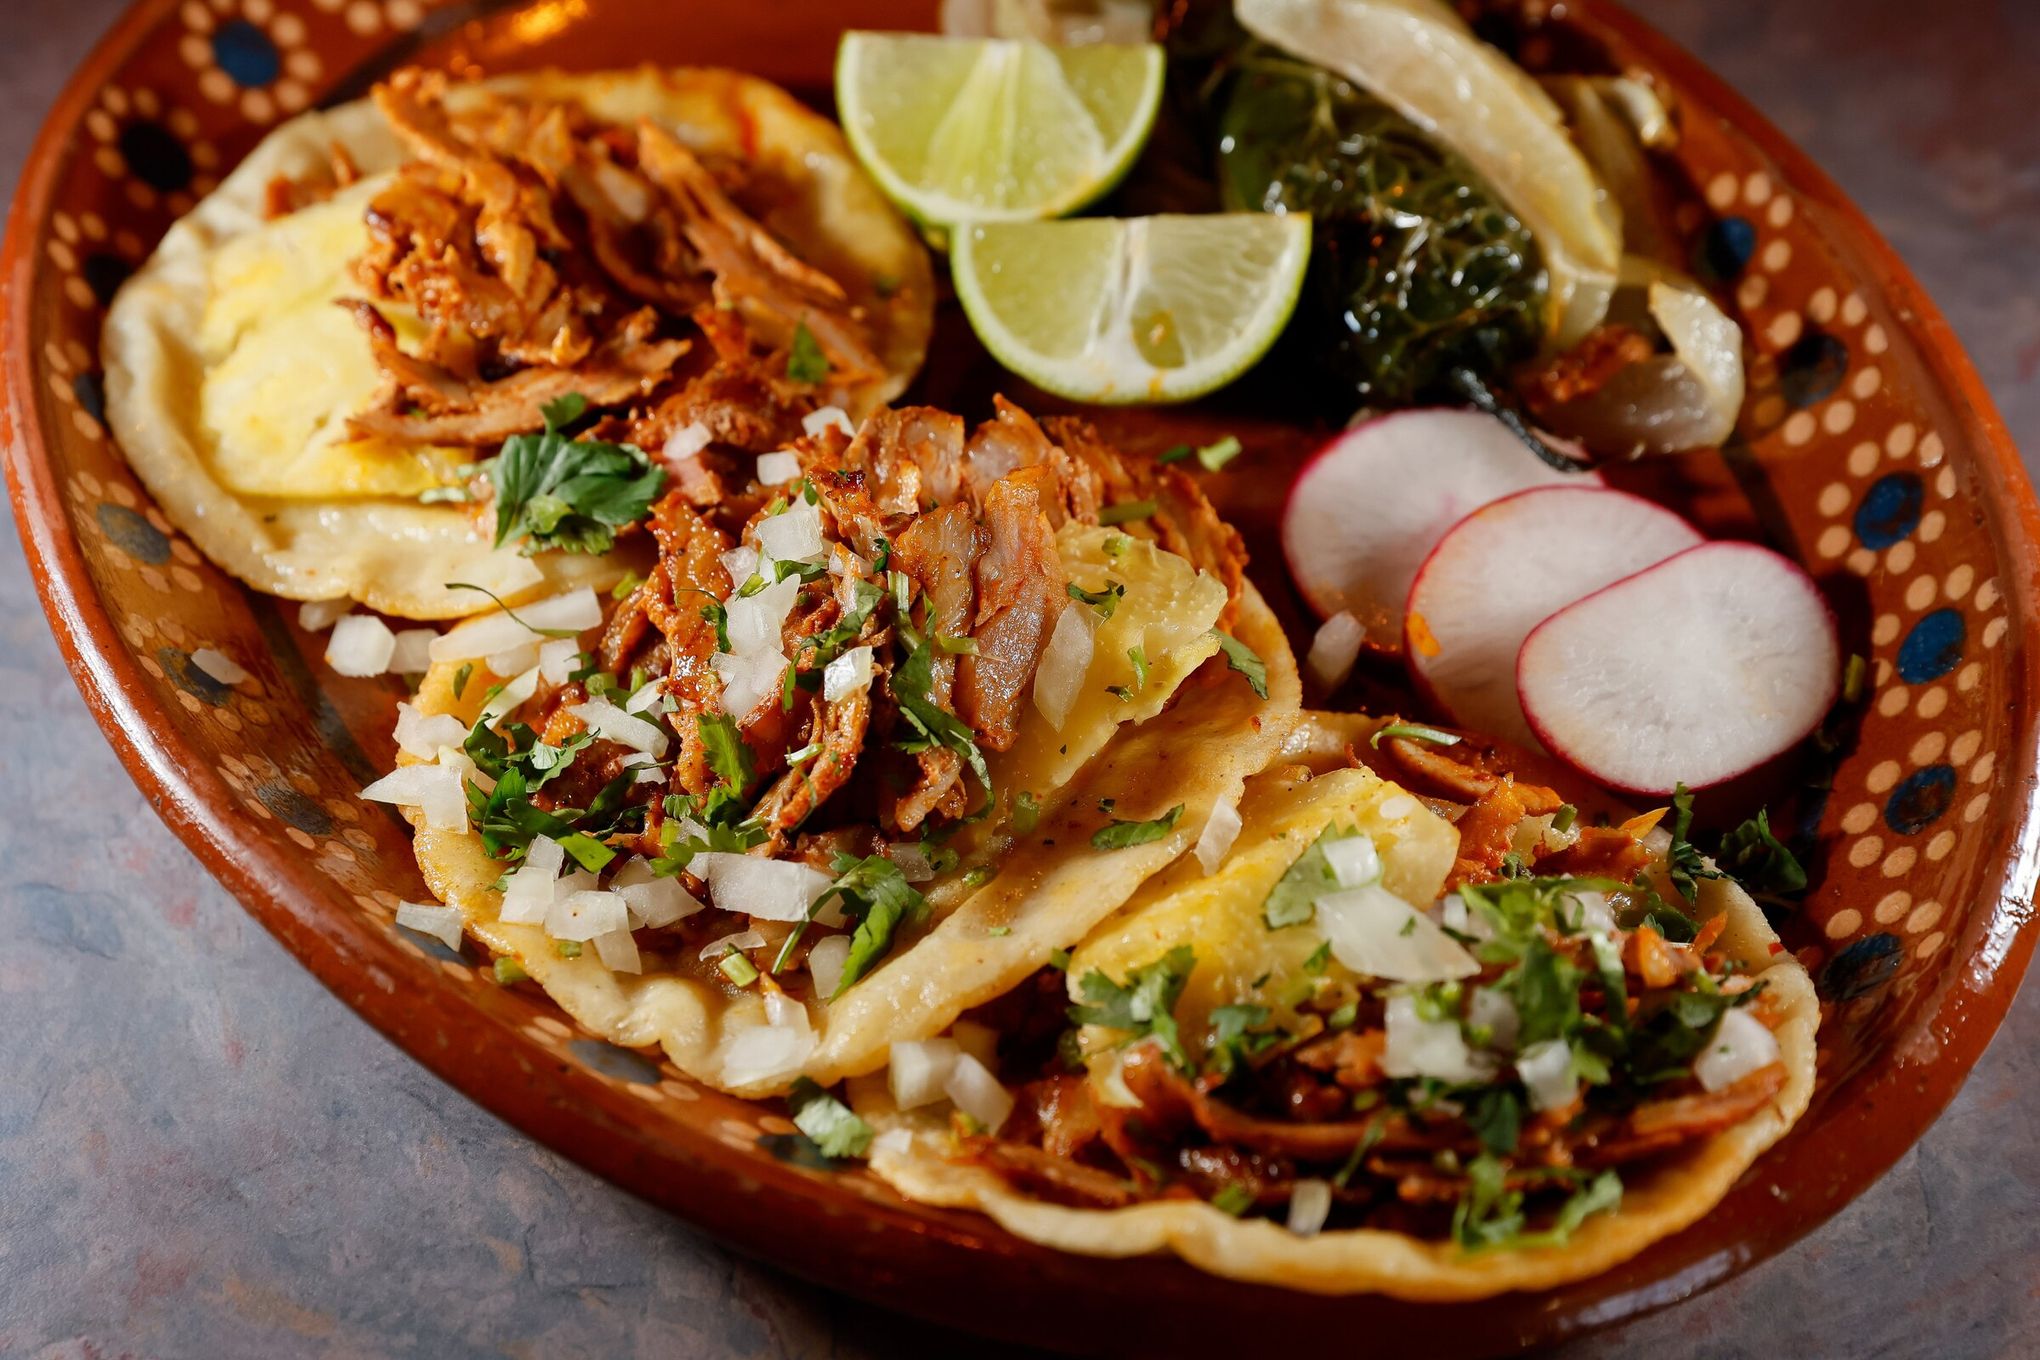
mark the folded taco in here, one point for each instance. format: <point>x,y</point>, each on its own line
<point>1420,1030</point>
<point>897,715</point>
<point>316,370</point>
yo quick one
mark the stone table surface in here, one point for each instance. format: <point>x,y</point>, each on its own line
<point>204,1154</point>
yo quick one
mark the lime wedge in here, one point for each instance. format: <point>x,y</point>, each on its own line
<point>988,130</point>
<point>1140,309</point>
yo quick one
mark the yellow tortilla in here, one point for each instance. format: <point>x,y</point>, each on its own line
<point>230,375</point>
<point>1052,887</point>
<point>1219,916</point>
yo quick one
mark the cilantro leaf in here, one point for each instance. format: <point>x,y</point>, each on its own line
<point>1125,511</point>
<point>1496,1118</point>
<point>1683,861</point>
<point>1234,1036</point>
<point>1118,835</point>
<point>1430,736</point>
<point>1242,658</point>
<point>1293,899</point>
<point>878,895</point>
<point>1144,1005</point>
<point>805,361</point>
<point>1760,860</point>
<point>827,1121</point>
<point>911,683</point>
<point>728,755</point>
<point>1233,1198</point>
<point>569,494</point>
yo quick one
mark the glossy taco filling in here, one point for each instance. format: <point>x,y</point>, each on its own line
<point>1483,1065</point>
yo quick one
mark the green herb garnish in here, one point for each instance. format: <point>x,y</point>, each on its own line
<point>827,1121</point>
<point>571,495</point>
<point>1215,455</point>
<point>1126,511</point>
<point>1430,736</point>
<point>1240,657</point>
<point>1118,835</point>
<point>1103,601</point>
<point>805,361</point>
<point>1144,1005</point>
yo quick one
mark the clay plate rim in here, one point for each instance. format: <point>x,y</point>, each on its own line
<point>959,1268</point>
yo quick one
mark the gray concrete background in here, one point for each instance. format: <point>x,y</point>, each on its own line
<point>203,1154</point>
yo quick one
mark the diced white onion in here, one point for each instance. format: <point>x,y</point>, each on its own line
<point>647,697</point>
<point>1741,1045</point>
<point>316,616</point>
<point>420,734</point>
<point>1589,911</point>
<point>654,900</point>
<point>618,952</point>
<point>441,923</point>
<point>1455,915</point>
<point>1494,1011</point>
<point>741,562</point>
<point>605,719</point>
<point>826,418</point>
<point>1108,1085</point>
<point>584,915</point>
<point>774,469</point>
<point>220,666</point>
<point>1064,663</point>
<point>825,963</point>
<point>766,1053</point>
<point>529,890</point>
<point>577,610</point>
<point>792,535</point>
<point>974,1090</point>
<point>847,674</point>
<point>1377,934</point>
<point>514,660</point>
<point>1221,829</point>
<point>769,889</point>
<point>686,442</point>
<point>911,860</point>
<point>1353,860</point>
<point>1334,650</point>
<point>433,789</point>
<point>412,654</point>
<point>1310,1204</point>
<point>1546,1071</point>
<point>784,1011</point>
<point>515,694</point>
<point>361,645</point>
<point>746,680</point>
<point>897,1142</point>
<point>1429,1048</point>
<point>754,623</point>
<point>919,1070</point>
<point>556,660</point>
<point>463,767</point>
<point>715,949</point>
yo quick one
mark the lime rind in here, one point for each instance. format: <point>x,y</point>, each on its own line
<point>966,138</point>
<point>1116,312</point>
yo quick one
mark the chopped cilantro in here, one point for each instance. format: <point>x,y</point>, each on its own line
<point>738,969</point>
<point>512,614</point>
<point>1115,545</point>
<point>1293,899</point>
<point>999,932</point>
<point>1118,835</point>
<point>980,874</point>
<point>1683,861</point>
<point>461,677</point>
<point>1215,455</point>
<point>567,494</point>
<point>623,588</point>
<point>1563,819</point>
<point>827,1121</point>
<point>1236,1036</point>
<point>1059,959</point>
<point>956,646</point>
<point>878,897</point>
<point>1242,658</point>
<point>1234,1198</point>
<point>567,949</point>
<point>805,362</point>
<point>1496,1118</point>
<point>1144,1004</point>
<point>509,971</point>
<point>1104,601</point>
<point>1760,860</point>
<point>1175,453</point>
<point>1126,511</point>
<point>1026,813</point>
<point>728,755</point>
<point>911,683</point>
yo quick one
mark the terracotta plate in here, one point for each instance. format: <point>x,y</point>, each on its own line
<point>1871,454</point>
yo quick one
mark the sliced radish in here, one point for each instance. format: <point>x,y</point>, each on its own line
<point>1506,568</point>
<point>1364,512</point>
<point>1700,668</point>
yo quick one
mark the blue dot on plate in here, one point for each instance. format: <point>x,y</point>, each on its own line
<point>1725,248</point>
<point>1920,799</point>
<point>1889,510</point>
<point>1932,648</point>
<point>104,274</point>
<point>296,809</point>
<point>613,1061</point>
<point>1862,968</point>
<point>185,674</point>
<point>132,534</point>
<point>90,389</point>
<point>1813,368</point>
<point>245,52</point>
<point>155,157</point>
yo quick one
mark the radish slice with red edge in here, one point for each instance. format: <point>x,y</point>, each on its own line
<point>1367,508</point>
<point>1506,568</point>
<point>1693,671</point>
